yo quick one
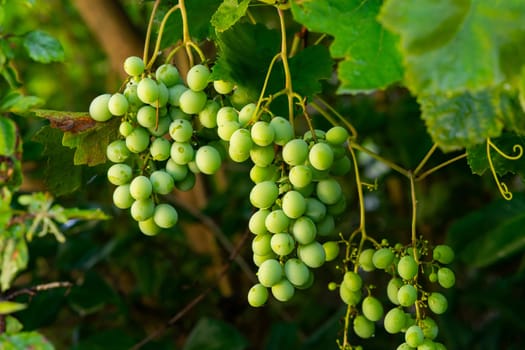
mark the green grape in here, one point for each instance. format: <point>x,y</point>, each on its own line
<point>319,134</point>
<point>259,259</point>
<point>315,209</point>
<point>429,327</point>
<point>414,336</point>
<point>181,153</point>
<point>142,209</point>
<point>283,131</point>
<point>119,174</point>
<point>118,104</point>
<point>223,87</point>
<point>277,221</point>
<point>427,344</point>
<point>164,95</point>
<point>177,171</point>
<point>174,94</point>
<point>332,286</point>
<point>392,289</point>
<point>363,327</point>
<point>208,115</point>
<point>394,321</point>
<point>365,260</point>
<point>176,113</point>
<point>226,130</point>
<point>99,110</point>
<point>149,227</point>
<point>165,215</point>
<point>321,156</point>
<point>134,101</point>
<point>160,149</point>
<point>296,272</point>
<point>167,74</point>
<point>383,258</point>
<point>260,174</point>
<point>192,102</point>
<point>404,346</point>
<point>307,191</point>
<point>256,224</point>
<point>446,277</point>
<point>140,187</point>
<point>372,308</point>
<point>117,152</point>
<point>439,346</point>
<point>197,77</point>
<point>262,156</point>
<point>409,321</point>
<point>208,159</point>
<point>336,135</point>
<point>331,250</point>
<point>283,290</point>
<point>227,114</point>
<point>349,297</point>
<point>187,183</point>
<point>257,295</point>
<point>326,226</point>
<point>193,167</point>
<point>134,66</point>
<point>437,303</point>
<point>328,191</point>
<point>304,230</point>
<point>293,204</point>
<point>282,244</point>
<point>261,244</point>
<point>433,277</point>
<point>138,140</point>
<point>352,281</point>
<point>262,133</point>
<point>241,96</point>
<point>247,113</point>
<point>125,128</point>
<point>270,272</point>
<point>264,194</point>
<point>407,267</point>
<point>240,145</point>
<point>147,116</point>
<point>300,176</point>
<point>295,152</point>
<point>338,208</point>
<point>162,182</point>
<point>181,130</point>
<point>312,254</point>
<point>122,198</point>
<point>407,295</point>
<point>148,90</point>
<point>162,128</point>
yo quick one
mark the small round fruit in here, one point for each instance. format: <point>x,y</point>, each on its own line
<point>394,321</point>
<point>148,90</point>
<point>414,336</point>
<point>140,187</point>
<point>197,77</point>
<point>99,110</point>
<point>270,272</point>
<point>257,295</point>
<point>407,267</point>
<point>223,87</point>
<point>119,174</point>
<point>446,277</point>
<point>363,327</point>
<point>208,159</point>
<point>443,254</point>
<point>149,227</point>
<point>134,66</point>
<point>118,104</point>
<point>372,308</point>
<point>283,290</point>
<point>437,303</point>
<point>165,215</point>
<point>383,258</point>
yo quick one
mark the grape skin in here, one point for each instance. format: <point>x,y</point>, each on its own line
<point>257,295</point>
<point>134,66</point>
<point>99,110</point>
<point>270,272</point>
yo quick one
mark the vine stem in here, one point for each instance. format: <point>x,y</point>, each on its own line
<point>350,127</point>
<point>414,215</point>
<point>425,159</point>
<point>161,32</point>
<point>286,67</point>
<point>148,32</point>
<point>376,156</point>
<point>439,166</point>
<point>265,84</point>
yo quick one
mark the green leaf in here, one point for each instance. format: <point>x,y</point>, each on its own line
<point>13,325</point>
<point>457,121</point>
<point>370,57</point>
<point>5,207</point>
<point>8,137</point>
<point>10,154</point>
<point>8,307</point>
<point>15,102</point>
<point>308,67</point>
<point>228,13</point>
<point>25,340</point>
<point>42,47</point>
<point>212,334</point>
<point>490,234</point>
<point>470,45</point>
<point>14,254</point>
<point>84,214</point>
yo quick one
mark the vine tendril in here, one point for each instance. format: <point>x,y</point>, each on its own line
<point>502,187</point>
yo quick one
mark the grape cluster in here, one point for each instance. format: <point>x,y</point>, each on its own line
<point>404,290</point>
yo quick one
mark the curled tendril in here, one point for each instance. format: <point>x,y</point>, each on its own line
<point>502,187</point>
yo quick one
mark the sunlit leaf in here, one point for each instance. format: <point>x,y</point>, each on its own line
<point>228,13</point>
<point>8,307</point>
<point>42,47</point>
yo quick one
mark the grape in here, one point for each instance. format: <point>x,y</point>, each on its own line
<point>336,135</point>
<point>295,152</point>
<point>394,321</point>
<point>372,308</point>
<point>256,224</point>
<point>404,346</point>
<point>208,159</point>
<point>174,94</point>
<point>315,210</point>
<point>277,221</point>
<point>365,260</point>
<point>427,344</point>
<point>262,133</point>
<point>222,87</point>
<point>142,209</point>
<point>439,346</point>
<point>165,215</point>
<point>259,259</point>
<point>125,128</point>
<point>264,194</point>
<point>338,208</point>
<point>446,277</point>
<point>311,254</point>
<point>192,102</point>
<point>261,244</point>
<point>352,281</point>
<point>193,167</point>
<point>134,101</point>
<point>414,336</point>
<point>240,145</point>
<point>300,176</point>
<point>119,174</point>
<point>122,198</point>
<point>247,113</point>
<point>392,289</point>
<point>208,115</point>
<point>118,104</point>
<point>160,149</point>
<point>293,204</point>
<point>99,110</point>
<point>177,171</point>
<point>326,226</point>
<point>304,230</point>
<point>134,66</point>
<point>149,227</point>
<point>328,191</point>
<point>429,327</point>
<point>181,130</point>
<point>117,151</point>
<point>437,303</point>
<point>167,74</point>
<point>257,295</point>
<point>433,277</point>
<point>282,244</point>
<point>283,130</point>
<point>138,140</point>
<point>147,116</point>
<point>383,258</point>
<point>187,183</point>
<point>321,156</point>
<point>349,297</point>
<point>197,77</point>
<point>407,267</point>
<point>341,166</point>
<point>363,327</point>
<point>260,174</point>
<point>162,182</point>
<point>162,128</point>
<point>283,290</point>
<point>407,295</point>
<point>164,95</point>
<point>181,153</point>
<point>140,187</point>
<point>270,272</point>
<point>226,130</point>
<point>148,90</point>
<point>262,156</point>
<point>296,272</point>
<point>331,250</point>
<point>227,114</point>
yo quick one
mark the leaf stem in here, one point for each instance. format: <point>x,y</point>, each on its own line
<point>350,127</point>
<point>425,159</point>
<point>387,162</point>
<point>161,32</point>
<point>439,166</point>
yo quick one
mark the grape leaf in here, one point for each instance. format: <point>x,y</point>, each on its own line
<point>42,47</point>
<point>371,59</point>
<point>228,13</point>
<point>308,67</point>
<point>10,154</point>
<point>471,45</point>
<point>15,102</point>
<point>8,307</point>
<point>8,137</point>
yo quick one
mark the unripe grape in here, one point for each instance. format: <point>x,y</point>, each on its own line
<point>149,227</point>
<point>404,346</point>
<point>365,260</point>
<point>312,254</point>
<point>363,327</point>
<point>240,145</point>
<point>140,187</point>
<point>174,94</point>
<point>177,171</point>
<point>208,115</point>
<point>329,191</point>
<point>163,98</point>
<point>264,194</point>
<point>259,259</point>
<point>337,208</point>
<point>321,156</point>
<point>315,209</point>
<point>181,130</point>
<point>99,110</point>
<point>138,140</point>
<point>300,176</point>
<point>407,267</point>
<point>257,295</point>
<point>332,286</point>
<point>125,128</point>
<point>160,149</point>
<point>283,290</point>
<point>134,66</point>
<point>197,77</point>
<point>256,224</point>
<point>192,102</point>
<point>349,297</point>
<point>117,151</point>
<point>142,209</point>
<point>165,215</point>
<point>295,152</point>
<point>226,130</point>
<point>247,113</point>
<point>372,308</point>
<point>296,272</point>
<point>208,159</point>
<point>282,244</point>
<point>223,87</point>
<point>446,277</point>
<point>270,272</point>
<point>427,344</point>
<point>383,258</point>
<point>260,174</point>
<point>162,128</point>
<point>341,166</point>
<point>293,204</point>
<point>261,244</point>
<point>443,253</point>
<point>414,336</point>
<point>122,198</point>
<point>148,90</point>
<point>262,156</point>
<point>167,74</point>
<point>429,327</point>
<point>277,221</point>
<point>131,95</point>
<point>392,289</point>
<point>283,130</point>
<point>407,295</point>
<point>439,346</point>
<point>262,133</point>
<point>304,230</point>
<point>438,303</point>
<point>336,135</point>
<point>118,104</point>
<point>187,183</point>
<point>433,277</point>
<point>227,114</point>
<point>352,281</point>
<point>181,152</point>
<point>394,321</point>
<point>162,182</point>
<point>119,174</point>
<point>147,116</point>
